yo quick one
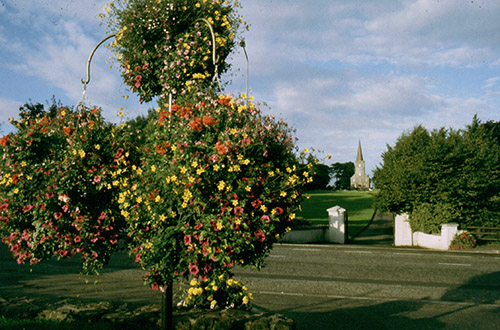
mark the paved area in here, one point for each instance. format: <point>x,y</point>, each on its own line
<point>380,231</point>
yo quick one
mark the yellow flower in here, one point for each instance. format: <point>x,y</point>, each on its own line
<point>23,164</point>
<point>283,194</point>
<point>245,300</point>
<point>221,185</point>
<point>216,167</point>
<point>162,218</point>
<point>153,168</point>
<point>194,282</point>
<point>81,153</point>
<point>306,150</point>
<point>97,147</point>
<point>288,229</point>
<point>213,303</point>
<point>16,190</point>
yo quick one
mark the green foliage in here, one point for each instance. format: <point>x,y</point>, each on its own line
<point>455,170</point>
<point>320,175</point>
<point>342,173</point>
<point>463,241</point>
<point>428,218</point>
<point>165,46</point>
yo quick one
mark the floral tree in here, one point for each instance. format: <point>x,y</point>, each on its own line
<point>218,185</point>
<point>58,182</point>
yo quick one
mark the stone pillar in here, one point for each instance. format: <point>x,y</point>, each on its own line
<point>337,229</point>
<point>402,231</point>
<point>448,231</point>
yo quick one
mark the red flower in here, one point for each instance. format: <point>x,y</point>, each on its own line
<point>187,240</point>
<point>27,208</point>
<point>58,215</point>
<point>238,210</point>
<point>193,269</point>
<point>261,237</point>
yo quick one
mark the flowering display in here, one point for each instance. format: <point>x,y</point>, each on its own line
<point>58,177</point>
<point>218,185</point>
<point>163,46</point>
<point>219,291</point>
<point>463,241</point>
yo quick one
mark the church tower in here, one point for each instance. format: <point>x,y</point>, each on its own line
<point>360,180</point>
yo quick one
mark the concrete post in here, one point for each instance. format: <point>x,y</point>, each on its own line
<point>448,231</point>
<point>337,229</point>
<point>402,231</point>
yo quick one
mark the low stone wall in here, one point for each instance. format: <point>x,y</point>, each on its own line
<point>131,316</point>
<point>405,237</point>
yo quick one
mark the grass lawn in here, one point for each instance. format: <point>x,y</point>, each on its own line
<point>359,206</point>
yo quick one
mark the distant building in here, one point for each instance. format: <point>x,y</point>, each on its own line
<point>360,180</point>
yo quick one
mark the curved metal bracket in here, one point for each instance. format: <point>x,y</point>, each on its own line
<point>92,54</point>
<point>214,58</point>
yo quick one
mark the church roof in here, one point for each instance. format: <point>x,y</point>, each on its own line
<point>359,158</point>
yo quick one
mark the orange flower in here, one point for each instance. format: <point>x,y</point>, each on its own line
<point>67,131</point>
<point>162,148</point>
<point>196,124</point>
<point>209,121</point>
<point>15,178</point>
<point>185,111</point>
<point>222,148</point>
<point>224,101</point>
<point>163,115</point>
<point>175,107</point>
<point>4,140</point>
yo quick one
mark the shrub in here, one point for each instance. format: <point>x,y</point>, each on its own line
<point>428,218</point>
<point>463,241</point>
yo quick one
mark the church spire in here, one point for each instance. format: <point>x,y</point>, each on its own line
<point>359,158</point>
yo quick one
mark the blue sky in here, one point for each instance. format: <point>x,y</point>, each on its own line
<point>337,71</point>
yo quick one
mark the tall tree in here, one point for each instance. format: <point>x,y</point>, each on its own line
<point>341,174</point>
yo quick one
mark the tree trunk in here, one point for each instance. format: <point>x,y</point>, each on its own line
<point>167,322</point>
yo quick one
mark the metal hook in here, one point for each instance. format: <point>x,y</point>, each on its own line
<point>91,55</point>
